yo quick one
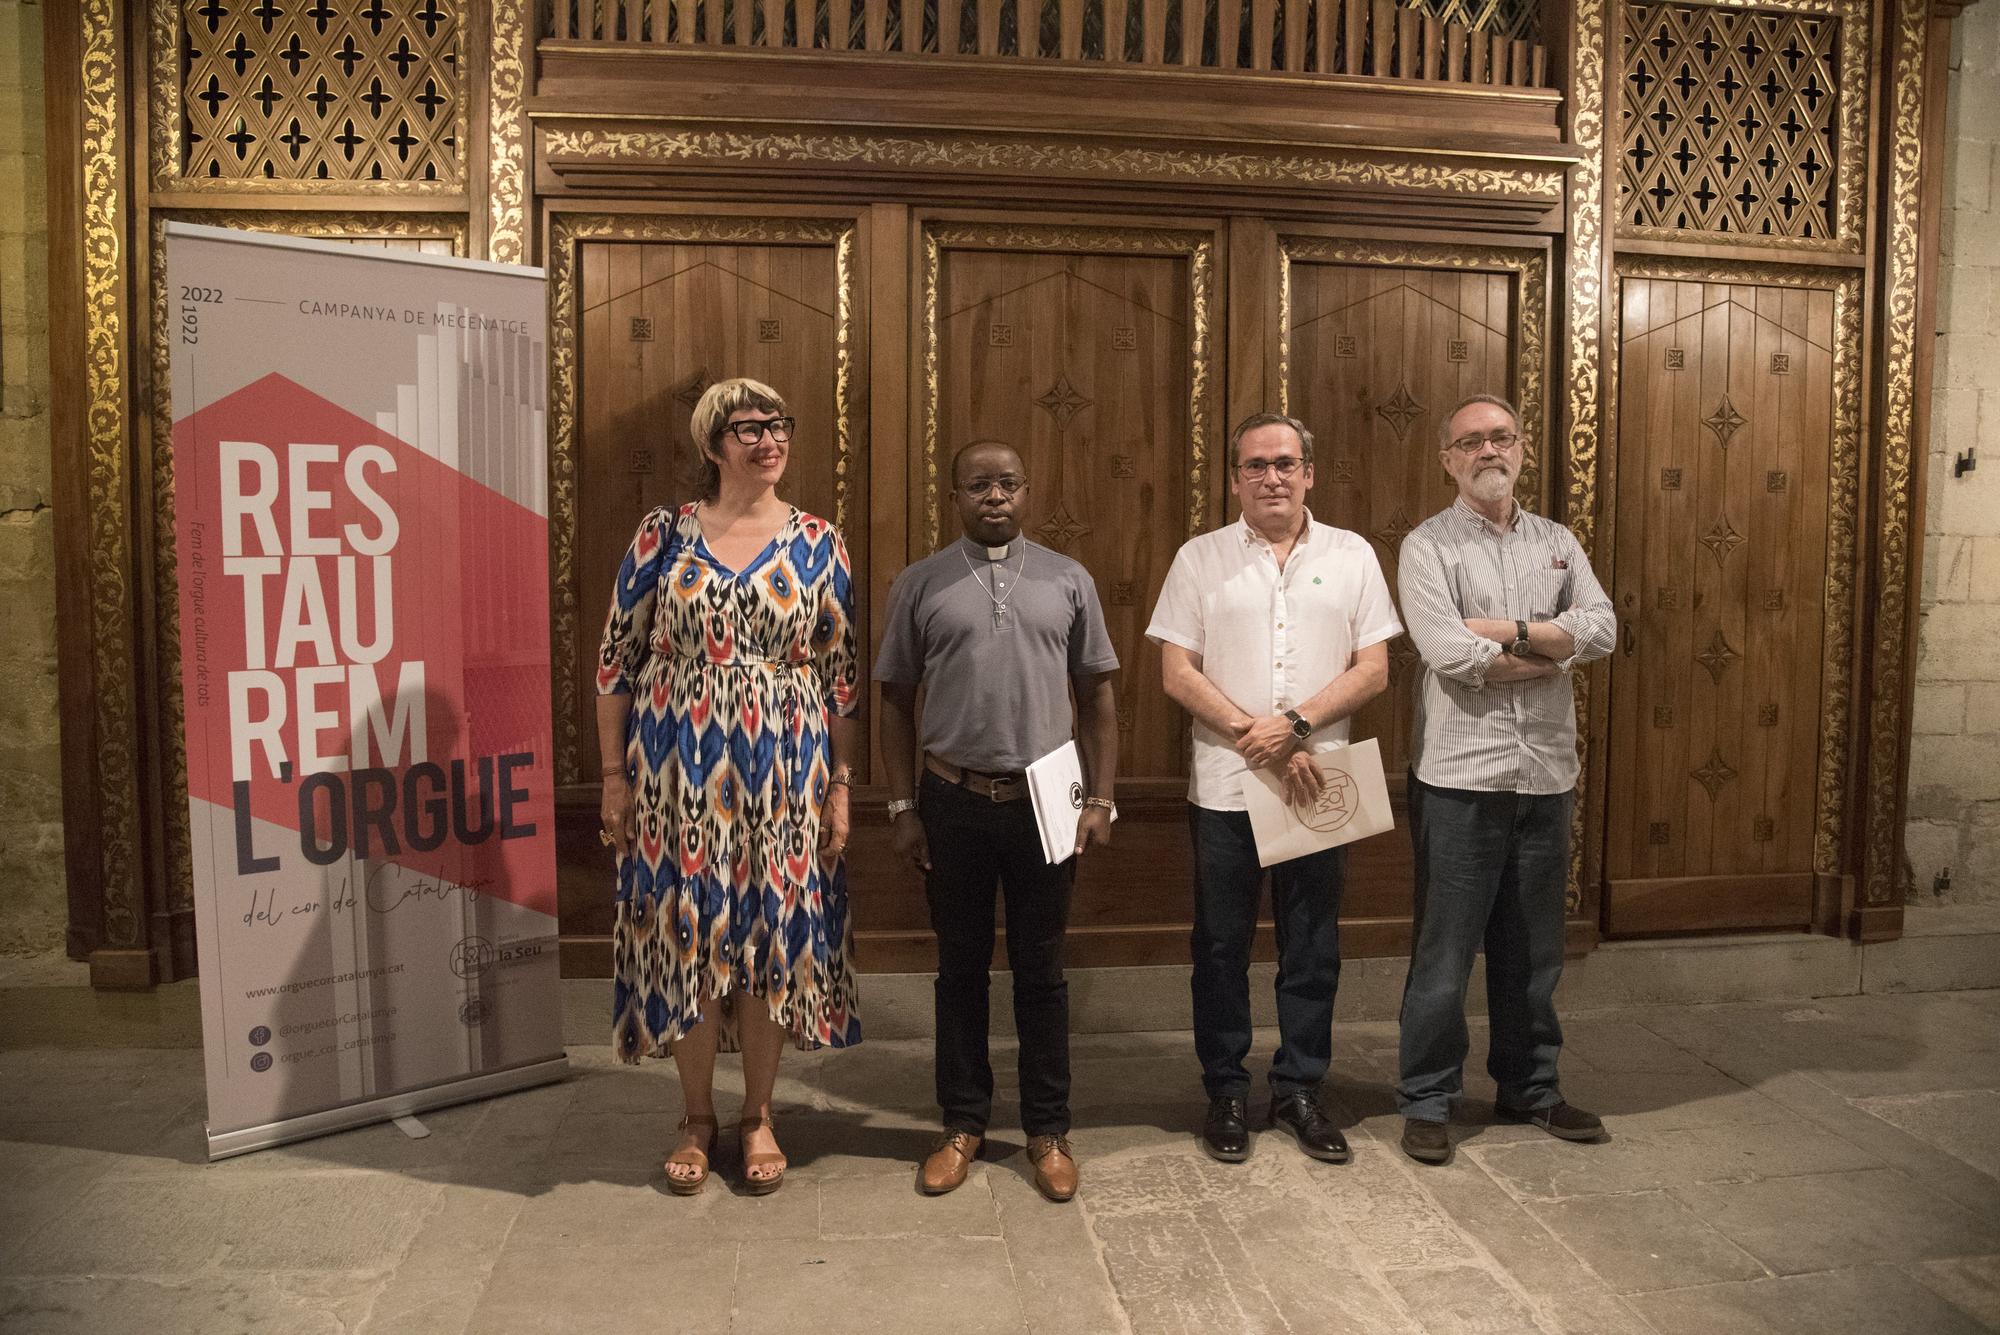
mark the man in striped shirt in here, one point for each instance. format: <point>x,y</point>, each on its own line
<point>1502,605</point>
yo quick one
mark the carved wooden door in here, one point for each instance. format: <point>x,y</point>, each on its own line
<point>1378,345</point>
<point>1728,689</point>
<point>1089,350</point>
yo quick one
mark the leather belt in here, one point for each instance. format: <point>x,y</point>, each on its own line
<point>994,787</point>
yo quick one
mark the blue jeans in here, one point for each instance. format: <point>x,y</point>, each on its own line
<point>1491,871</point>
<point>1305,905</point>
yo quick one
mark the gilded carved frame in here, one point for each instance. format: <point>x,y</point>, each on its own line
<point>1850,153</point>
<point>168,150</point>
<point>1197,247</point>
<point>1910,36</point>
<point>156,457</point>
<point>922,150</point>
<point>106,210</point>
<point>567,233</point>
<point>1843,508</point>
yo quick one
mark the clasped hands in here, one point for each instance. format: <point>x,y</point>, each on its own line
<point>1269,743</point>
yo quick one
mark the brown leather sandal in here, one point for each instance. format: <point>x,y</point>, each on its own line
<point>760,1186</point>
<point>691,1157</point>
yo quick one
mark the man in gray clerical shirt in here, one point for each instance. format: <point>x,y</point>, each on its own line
<point>996,630</point>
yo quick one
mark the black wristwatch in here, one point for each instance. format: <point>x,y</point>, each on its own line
<point>1300,728</point>
<point>1520,647</point>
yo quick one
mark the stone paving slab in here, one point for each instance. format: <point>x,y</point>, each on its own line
<point>1829,1167</point>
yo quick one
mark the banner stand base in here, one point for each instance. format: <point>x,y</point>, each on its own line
<point>230,1143</point>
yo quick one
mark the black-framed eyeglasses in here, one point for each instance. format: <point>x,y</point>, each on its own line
<point>751,431</point>
<point>1007,483</point>
<point>1252,469</point>
<point>1500,440</point>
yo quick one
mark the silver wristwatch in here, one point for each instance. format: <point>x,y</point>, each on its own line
<point>1300,728</point>
<point>900,805</point>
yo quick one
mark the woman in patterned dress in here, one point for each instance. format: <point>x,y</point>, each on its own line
<point>728,683</point>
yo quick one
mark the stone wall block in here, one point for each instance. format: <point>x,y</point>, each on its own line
<point>1958,642</point>
<point>1960,766</point>
<point>1972,167</point>
<point>1982,710</point>
<point>1939,711</point>
<point>1972,502</point>
<point>1978,878</point>
<point>1931,846</point>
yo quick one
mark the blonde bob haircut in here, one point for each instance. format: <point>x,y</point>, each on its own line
<point>712,413</point>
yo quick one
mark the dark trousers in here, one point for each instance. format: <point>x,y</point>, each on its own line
<point>1491,871</point>
<point>1305,905</point>
<point>976,842</point>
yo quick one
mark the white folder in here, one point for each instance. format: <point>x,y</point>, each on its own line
<point>1353,803</point>
<point>1055,786</point>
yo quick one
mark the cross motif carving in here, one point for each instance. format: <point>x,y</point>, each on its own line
<point>1722,540</point>
<point>1725,421</point>
<point>1061,529</point>
<point>1400,410</point>
<point>1398,528</point>
<point>688,393</point>
<point>1713,774</point>
<point>1063,402</point>
<point>1717,657</point>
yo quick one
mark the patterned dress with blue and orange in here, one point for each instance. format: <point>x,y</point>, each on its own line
<point>733,674</point>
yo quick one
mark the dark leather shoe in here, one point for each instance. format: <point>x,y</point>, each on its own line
<point>1564,1121</point>
<point>1225,1133</point>
<point>1055,1166</point>
<point>949,1161</point>
<point>1299,1113</point>
<point>1426,1142</point>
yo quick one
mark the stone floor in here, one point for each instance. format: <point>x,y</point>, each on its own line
<point>1822,1167</point>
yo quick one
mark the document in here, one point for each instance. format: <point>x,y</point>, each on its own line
<point>1353,803</point>
<point>1055,786</point>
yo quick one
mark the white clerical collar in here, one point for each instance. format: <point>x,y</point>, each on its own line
<point>1003,552</point>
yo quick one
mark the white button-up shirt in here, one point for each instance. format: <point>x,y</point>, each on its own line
<point>1269,639</point>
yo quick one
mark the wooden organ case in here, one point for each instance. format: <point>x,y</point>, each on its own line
<point>1692,241</point>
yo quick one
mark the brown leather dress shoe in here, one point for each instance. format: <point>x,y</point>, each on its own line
<point>949,1161</point>
<point>1055,1166</point>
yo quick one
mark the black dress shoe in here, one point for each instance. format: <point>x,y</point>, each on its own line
<point>1299,1113</point>
<point>1225,1133</point>
<point>1426,1142</point>
<point>1561,1120</point>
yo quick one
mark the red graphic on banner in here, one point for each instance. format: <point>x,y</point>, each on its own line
<point>364,634</point>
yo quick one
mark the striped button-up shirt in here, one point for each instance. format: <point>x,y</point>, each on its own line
<point>1513,737</point>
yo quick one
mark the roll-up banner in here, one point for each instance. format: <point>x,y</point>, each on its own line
<point>361,521</point>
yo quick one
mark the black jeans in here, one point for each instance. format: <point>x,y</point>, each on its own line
<point>1491,872</point>
<point>976,842</point>
<point>1305,906</point>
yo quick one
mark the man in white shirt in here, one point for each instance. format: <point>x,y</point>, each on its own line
<point>1502,604</point>
<point>1273,631</point>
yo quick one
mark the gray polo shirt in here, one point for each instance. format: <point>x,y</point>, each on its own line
<point>994,700</point>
